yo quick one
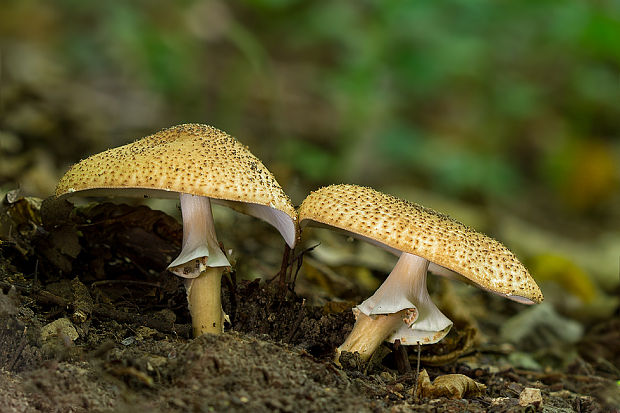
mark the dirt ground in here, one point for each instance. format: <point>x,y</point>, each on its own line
<point>90,321</point>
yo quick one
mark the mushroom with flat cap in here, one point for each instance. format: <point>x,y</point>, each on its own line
<point>401,308</point>
<point>199,164</point>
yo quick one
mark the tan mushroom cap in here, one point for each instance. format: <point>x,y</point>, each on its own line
<point>405,226</point>
<point>192,158</point>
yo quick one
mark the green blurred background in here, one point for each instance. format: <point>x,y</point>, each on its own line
<point>504,114</point>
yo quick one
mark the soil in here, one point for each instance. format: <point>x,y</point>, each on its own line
<point>90,321</point>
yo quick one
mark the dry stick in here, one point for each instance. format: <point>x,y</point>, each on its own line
<point>299,259</point>
<point>284,268</point>
<point>134,282</point>
<point>289,271</point>
<point>417,373</point>
<point>401,358</point>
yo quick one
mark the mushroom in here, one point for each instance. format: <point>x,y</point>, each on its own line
<point>199,164</point>
<point>401,308</point>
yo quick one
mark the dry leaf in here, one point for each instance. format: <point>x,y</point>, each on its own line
<point>453,386</point>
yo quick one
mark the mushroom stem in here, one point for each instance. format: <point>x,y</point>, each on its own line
<point>201,262</point>
<point>200,246</point>
<point>205,302</point>
<point>369,332</point>
<point>400,309</point>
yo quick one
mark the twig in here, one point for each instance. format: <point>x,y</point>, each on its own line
<point>299,260</point>
<point>134,282</point>
<point>285,273</point>
<point>417,373</point>
<point>51,299</point>
<point>401,358</point>
<point>282,274</point>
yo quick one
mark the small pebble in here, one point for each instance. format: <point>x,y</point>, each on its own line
<point>59,328</point>
<point>128,341</point>
<point>530,397</point>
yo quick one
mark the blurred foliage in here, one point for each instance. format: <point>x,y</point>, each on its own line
<point>563,271</point>
<point>467,97</point>
<point>474,99</point>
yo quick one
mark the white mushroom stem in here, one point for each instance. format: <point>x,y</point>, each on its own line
<point>400,309</point>
<point>200,245</point>
<point>201,262</point>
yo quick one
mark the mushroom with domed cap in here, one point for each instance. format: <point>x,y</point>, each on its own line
<point>401,308</point>
<point>198,164</point>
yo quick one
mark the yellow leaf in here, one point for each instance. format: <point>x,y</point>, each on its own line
<point>550,267</point>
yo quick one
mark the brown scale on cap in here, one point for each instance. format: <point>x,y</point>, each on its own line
<point>192,158</point>
<point>412,228</point>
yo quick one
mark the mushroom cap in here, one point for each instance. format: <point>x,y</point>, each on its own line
<point>191,158</point>
<point>399,225</point>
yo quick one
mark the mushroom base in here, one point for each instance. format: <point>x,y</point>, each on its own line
<point>205,302</point>
<point>401,309</point>
<point>369,332</point>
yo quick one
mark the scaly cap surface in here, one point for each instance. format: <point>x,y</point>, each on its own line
<point>405,226</point>
<point>192,158</point>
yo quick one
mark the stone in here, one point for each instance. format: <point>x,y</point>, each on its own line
<point>59,328</point>
<point>530,397</point>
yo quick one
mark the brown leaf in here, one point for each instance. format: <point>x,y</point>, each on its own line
<point>453,386</point>
<point>19,220</point>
